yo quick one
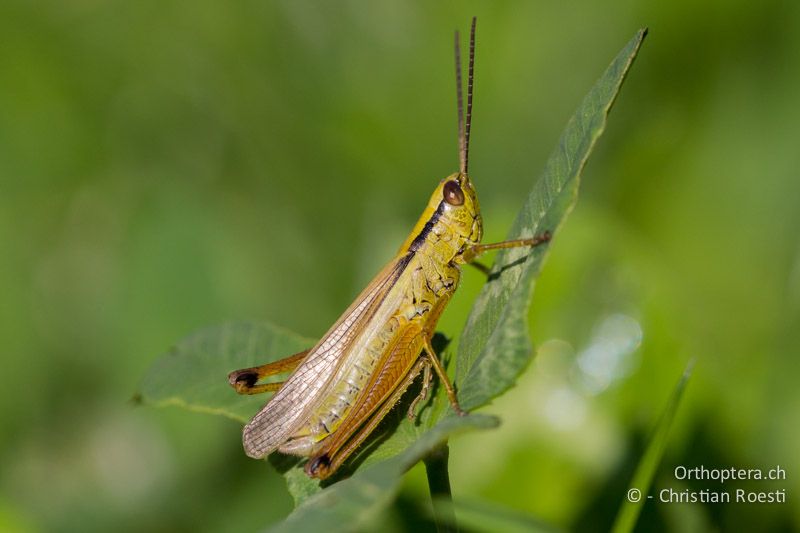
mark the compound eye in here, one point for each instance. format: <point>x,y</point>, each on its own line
<point>452,193</point>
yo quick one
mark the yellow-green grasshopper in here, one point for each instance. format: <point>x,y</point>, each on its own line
<point>342,388</point>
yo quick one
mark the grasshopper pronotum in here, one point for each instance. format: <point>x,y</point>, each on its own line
<point>345,385</point>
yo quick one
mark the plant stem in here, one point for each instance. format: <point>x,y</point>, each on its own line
<point>439,485</point>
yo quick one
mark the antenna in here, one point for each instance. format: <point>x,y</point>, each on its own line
<point>463,131</point>
<point>470,71</point>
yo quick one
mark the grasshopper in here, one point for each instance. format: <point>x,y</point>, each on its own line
<point>340,389</point>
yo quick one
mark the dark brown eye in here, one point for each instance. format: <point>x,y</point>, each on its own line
<point>453,194</point>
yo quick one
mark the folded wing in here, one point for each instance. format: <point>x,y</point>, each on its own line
<point>289,407</point>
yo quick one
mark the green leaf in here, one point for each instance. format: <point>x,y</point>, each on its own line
<point>193,375</point>
<point>495,347</point>
<point>481,516</point>
<point>646,469</point>
<point>351,504</point>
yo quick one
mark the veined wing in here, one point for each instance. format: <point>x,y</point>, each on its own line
<point>287,409</point>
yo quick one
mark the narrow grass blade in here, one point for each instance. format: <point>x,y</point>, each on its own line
<point>643,477</point>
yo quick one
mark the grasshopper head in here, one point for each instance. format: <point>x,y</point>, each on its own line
<point>458,206</point>
<point>451,220</point>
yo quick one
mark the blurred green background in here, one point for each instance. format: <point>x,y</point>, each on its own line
<point>166,166</point>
